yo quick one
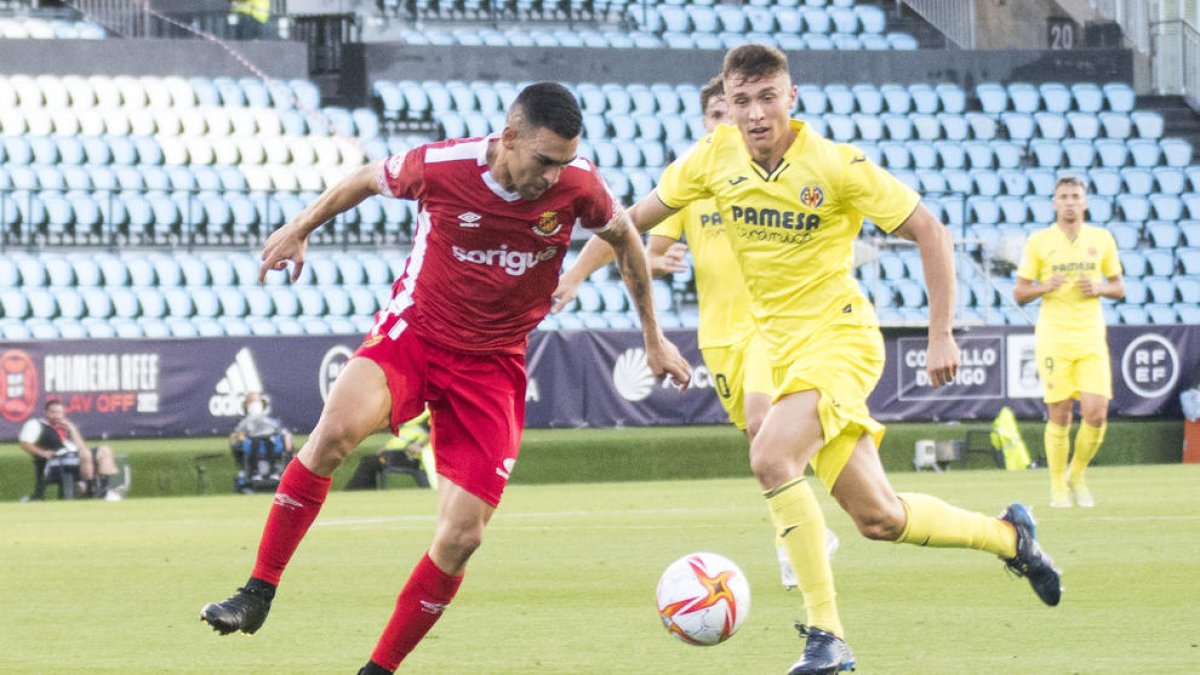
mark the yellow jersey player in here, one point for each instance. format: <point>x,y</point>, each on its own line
<point>1070,266</point>
<point>733,350</point>
<point>792,204</point>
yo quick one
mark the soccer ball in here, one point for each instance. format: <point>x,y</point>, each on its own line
<point>703,598</point>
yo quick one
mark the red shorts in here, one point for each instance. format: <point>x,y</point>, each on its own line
<point>476,404</point>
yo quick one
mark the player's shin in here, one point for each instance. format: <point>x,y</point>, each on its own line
<point>932,522</point>
<point>420,604</point>
<point>800,526</point>
<point>298,500</point>
<point>1058,447</point>
<point>1087,443</point>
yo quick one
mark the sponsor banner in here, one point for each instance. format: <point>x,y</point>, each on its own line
<point>621,390</point>
<point>1151,365</point>
<point>178,387</point>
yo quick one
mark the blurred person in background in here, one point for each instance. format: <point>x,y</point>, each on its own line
<point>60,453</point>
<point>1070,265</point>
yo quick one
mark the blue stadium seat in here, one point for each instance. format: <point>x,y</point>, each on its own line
<point>1047,154</point>
<point>993,98</point>
<point>1100,210</point>
<point>1112,153</point>
<point>1119,96</point>
<point>1167,207</point>
<point>1169,180</point>
<point>1161,263</point>
<point>896,98</point>
<point>982,126</point>
<point>1144,152</point>
<point>1133,315</point>
<point>1116,125</point>
<point>1161,290</point>
<point>1134,208</point>
<point>1080,154</point>
<point>1136,292</point>
<point>1189,229</point>
<point>1041,209</point>
<point>1189,261</point>
<point>1088,97</point>
<point>1162,314</point>
<point>1189,290</point>
<point>1020,126</point>
<point>1056,97</point>
<point>1176,151</point>
<point>1024,97</point>
<point>925,99</point>
<point>1083,125</point>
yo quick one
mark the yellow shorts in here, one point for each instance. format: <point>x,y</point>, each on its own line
<point>843,363</point>
<point>1067,372</point>
<point>737,369</point>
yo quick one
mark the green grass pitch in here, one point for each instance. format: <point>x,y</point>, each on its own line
<point>565,583</point>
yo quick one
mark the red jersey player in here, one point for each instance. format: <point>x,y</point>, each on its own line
<point>495,218</point>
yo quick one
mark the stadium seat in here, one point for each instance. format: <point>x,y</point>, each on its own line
<point>1119,96</point>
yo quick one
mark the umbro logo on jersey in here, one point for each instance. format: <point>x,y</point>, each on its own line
<point>738,180</point>
<point>241,378</point>
<point>469,219</point>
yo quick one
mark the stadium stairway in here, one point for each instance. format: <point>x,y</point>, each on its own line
<point>1179,118</point>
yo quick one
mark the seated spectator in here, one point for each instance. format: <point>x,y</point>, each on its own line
<point>409,451</point>
<point>60,454</point>
<point>261,446</point>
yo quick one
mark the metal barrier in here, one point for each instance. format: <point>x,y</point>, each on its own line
<point>954,18</point>
<point>1177,58</point>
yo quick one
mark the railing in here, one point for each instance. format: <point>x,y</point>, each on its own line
<point>131,19</point>
<point>1135,17</point>
<point>954,18</point>
<point>1177,58</point>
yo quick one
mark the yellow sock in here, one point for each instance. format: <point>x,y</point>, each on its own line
<point>933,522</point>
<point>1087,444</point>
<point>800,527</point>
<point>1058,447</point>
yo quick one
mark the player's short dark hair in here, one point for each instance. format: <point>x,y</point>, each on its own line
<point>753,61</point>
<point>549,105</point>
<point>50,402</point>
<point>1072,180</point>
<point>714,88</point>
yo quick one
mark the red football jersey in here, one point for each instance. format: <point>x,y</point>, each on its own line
<point>484,262</point>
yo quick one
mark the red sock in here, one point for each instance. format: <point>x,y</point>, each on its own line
<point>298,500</point>
<point>418,607</point>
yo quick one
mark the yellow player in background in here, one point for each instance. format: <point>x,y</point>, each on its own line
<point>1070,266</point>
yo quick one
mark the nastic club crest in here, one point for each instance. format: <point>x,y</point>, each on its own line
<point>812,196</point>
<point>548,224</point>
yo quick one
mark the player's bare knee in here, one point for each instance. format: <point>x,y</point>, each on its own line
<point>768,470</point>
<point>880,524</point>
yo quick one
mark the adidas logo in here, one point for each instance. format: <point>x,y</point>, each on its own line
<point>632,378</point>
<point>241,378</point>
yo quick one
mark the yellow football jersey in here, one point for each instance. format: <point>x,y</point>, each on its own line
<point>792,229</point>
<point>724,301</point>
<point>1067,317</point>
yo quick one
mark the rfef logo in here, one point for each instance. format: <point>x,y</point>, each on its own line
<point>21,387</point>
<point>1150,366</point>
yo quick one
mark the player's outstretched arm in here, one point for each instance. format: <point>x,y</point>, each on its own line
<point>936,246</point>
<point>597,253</point>
<point>662,356</point>
<point>289,243</point>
